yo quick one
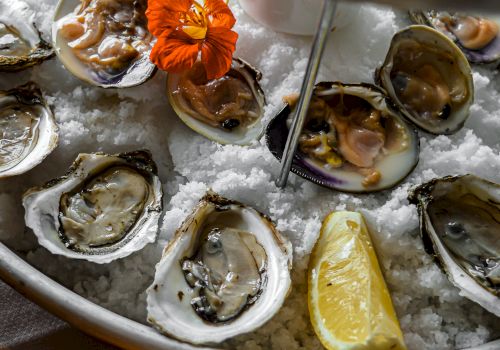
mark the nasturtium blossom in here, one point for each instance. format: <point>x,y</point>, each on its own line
<point>186,28</point>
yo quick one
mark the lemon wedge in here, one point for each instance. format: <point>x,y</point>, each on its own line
<point>349,303</point>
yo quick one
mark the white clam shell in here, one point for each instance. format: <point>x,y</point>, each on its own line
<point>30,95</point>
<point>42,209</point>
<point>174,315</point>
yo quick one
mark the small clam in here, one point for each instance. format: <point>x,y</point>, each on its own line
<point>105,43</point>
<point>477,36</point>
<point>429,79</point>
<point>226,110</point>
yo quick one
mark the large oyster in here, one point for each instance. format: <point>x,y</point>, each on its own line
<point>226,110</point>
<point>225,272</point>
<point>429,79</point>
<point>104,42</point>
<point>28,131</point>
<point>477,36</point>
<point>105,208</point>
<point>460,227</point>
<point>353,140</point>
<point>21,45</point>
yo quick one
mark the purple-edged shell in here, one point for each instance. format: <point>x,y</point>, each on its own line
<point>484,55</point>
<point>137,71</point>
<point>393,168</point>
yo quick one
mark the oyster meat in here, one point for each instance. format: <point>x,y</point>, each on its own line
<point>28,131</point>
<point>460,227</point>
<point>352,140</point>
<point>476,36</point>
<point>226,110</point>
<point>105,43</point>
<point>226,272</point>
<point>21,45</point>
<point>106,207</point>
<point>429,79</point>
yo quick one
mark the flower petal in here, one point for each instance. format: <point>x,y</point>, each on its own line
<point>175,52</point>
<point>219,14</point>
<point>164,15</point>
<point>217,51</point>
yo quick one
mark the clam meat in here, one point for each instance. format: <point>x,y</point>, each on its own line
<point>352,139</point>
<point>28,131</point>
<point>477,36</point>
<point>460,227</point>
<point>227,109</point>
<point>104,208</point>
<point>103,42</point>
<point>429,79</point>
<point>21,44</point>
<point>225,272</point>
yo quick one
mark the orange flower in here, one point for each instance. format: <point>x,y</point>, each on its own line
<point>184,28</point>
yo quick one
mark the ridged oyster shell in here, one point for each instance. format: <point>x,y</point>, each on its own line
<point>460,228</point>
<point>28,131</point>
<point>169,298</point>
<point>22,45</point>
<point>106,207</point>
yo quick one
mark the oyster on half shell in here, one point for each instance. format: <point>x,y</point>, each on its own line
<point>227,110</point>
<point>460,227</point>
<point>226,272</point>
<point>105,208</point>
<point>28,131</point>
<point>21,45</point>
<point>428,78</point>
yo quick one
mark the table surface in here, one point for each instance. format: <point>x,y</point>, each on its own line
<point>26,326</point>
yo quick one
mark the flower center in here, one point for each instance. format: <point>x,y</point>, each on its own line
<point>195,22</point>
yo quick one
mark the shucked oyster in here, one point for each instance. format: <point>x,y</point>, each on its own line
<point>105,208</point>
<point>429,79</point>
<point>21,45</point>
<point>225,272</point>
<point>28,131</point>
<point>460,227</point>
<point>352,139</point>
<point>104,42</point>
<point>226,110</point>
<point>478,37</point>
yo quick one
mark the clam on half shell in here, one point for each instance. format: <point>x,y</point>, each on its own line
<point>105,43</point>
<point>28,131</point>
<point>106,207</point>
<point>460,228</point>
<point>476,36</point>
<point>226,272</point>
<point>353,140</point>
<point>21,45</point>
<point>227,110</point>
<point>429,79</point>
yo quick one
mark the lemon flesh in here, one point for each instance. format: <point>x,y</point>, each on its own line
<point>349,303</point>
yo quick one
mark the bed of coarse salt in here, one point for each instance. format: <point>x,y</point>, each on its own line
<point>432,313</point>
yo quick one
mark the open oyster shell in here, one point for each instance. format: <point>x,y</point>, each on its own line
<point>21,45</point>
<point>106,207</point>
<point>105,43</point>
<point>226,272</point>
<point>478,39</point>
<point>396,158</point>
<point>429,79</point>
<point>460,227</point>
<point>28,131</point>
<point>232,106</point>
